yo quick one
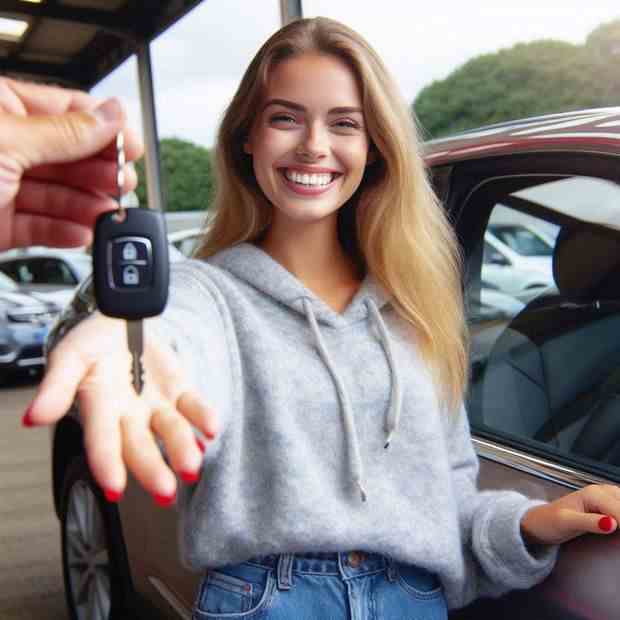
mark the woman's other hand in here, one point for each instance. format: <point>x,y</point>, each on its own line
<point>57,163</point>
<point>92,363</point>
<point>594,509</point>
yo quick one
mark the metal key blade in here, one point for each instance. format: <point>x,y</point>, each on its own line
<point>135,342</point>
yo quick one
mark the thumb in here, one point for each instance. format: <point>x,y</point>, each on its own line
<point>47,139</point>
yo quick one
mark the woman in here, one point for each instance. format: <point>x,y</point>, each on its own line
<point>323,325</point>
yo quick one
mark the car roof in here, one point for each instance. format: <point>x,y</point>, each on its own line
<point>43,252</point>
<point>78,42</point>
<point>582,130</point>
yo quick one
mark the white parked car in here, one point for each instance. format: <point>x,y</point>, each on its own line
<point>522,277</point>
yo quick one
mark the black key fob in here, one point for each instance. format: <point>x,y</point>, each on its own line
<point>131,266</point>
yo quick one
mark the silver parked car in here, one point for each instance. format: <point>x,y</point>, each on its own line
<point>43,270</point>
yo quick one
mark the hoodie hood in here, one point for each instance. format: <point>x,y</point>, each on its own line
<point>255,267</point>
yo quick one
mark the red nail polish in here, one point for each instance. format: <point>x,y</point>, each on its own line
<point>113,496</point>
<point>164,500</point>
<point>26,421</point>
<point>606,524</point>
<point>190,476</point>
<point>201,444</point>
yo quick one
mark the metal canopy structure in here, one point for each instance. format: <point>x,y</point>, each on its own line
<point>78,42</point>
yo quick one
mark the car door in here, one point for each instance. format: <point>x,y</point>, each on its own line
<point>544,393</point>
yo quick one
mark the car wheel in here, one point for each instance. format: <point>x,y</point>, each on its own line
<point>94,562</point>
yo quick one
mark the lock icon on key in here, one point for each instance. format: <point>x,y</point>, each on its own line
<point>130,251</point>
<point>131,276</point>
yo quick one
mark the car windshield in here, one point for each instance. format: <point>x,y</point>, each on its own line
<point>6,284</point>
<point>83,265</point>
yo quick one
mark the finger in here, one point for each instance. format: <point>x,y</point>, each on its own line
<point>42,139</point>
<point>45,213</point>
<point>143,457</point>
<point>10,103</point>
<point>62,202</point>
<point>69,363</point>
<point>582,522</point>
<point>175,431</point>
<point>44,99</point>
<point>203,417</point>
<point>66,367</point>
<point>100,408</point>
<point>164,366</point>
<point>51,232</point>
<point>94,174</point>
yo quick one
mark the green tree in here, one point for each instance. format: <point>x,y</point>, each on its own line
<point>187,176</point>
<point>526,80</point>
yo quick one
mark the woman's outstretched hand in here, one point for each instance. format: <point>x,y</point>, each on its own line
<point>92,363</point>
<point>594,509</point>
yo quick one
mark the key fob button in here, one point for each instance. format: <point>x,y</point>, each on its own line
<point>131,276</point>
<point>132,250</point>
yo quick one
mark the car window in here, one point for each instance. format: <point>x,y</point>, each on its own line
<point>545,332</point>
<point>40,270</point>
<point>522,240</point>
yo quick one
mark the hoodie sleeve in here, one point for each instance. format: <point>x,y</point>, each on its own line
<point>496,558</point>
<point>197,326</point>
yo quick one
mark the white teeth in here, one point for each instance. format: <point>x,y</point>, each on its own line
<point>309,179</point>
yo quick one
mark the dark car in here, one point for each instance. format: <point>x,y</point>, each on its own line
<point>544,394</point>
<point>25,319</point>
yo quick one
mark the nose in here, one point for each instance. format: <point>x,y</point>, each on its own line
<point>314,143</point>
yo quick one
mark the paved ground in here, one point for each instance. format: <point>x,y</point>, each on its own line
<point>31,586</point>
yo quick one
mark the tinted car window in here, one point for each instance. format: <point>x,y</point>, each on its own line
<point>523,241</point>
<point>43,270</point>
<point>546,371</point>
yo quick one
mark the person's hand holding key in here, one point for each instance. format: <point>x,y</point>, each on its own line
<point>124,406</point>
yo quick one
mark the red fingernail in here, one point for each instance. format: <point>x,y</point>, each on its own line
<point>26,421</point>
<point>201,444</point>
<point>190,476</point>
<point>113,496</point>
<point>606,524</point>
<point>164,500</point>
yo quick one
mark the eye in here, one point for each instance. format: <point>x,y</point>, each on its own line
<point>347,123</point>
<point>285,119</point>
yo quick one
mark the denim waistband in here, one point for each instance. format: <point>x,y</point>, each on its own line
<point>346,564</point>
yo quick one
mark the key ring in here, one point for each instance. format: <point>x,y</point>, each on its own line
<point>120,175</point>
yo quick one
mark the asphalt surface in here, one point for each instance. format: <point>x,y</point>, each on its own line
<point>31,584</point>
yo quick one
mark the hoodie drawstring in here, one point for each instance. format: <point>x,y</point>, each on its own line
<point>393,415</point>
<point>391,424</point>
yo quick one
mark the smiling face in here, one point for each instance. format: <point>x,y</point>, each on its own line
<point>308,144</point>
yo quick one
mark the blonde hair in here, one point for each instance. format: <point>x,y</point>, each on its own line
<point>393,226</point>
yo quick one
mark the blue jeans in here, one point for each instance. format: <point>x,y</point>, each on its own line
<point>320,586</point>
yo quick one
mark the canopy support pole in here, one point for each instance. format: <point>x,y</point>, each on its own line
<point>290,10</point>
<point>152,168</point>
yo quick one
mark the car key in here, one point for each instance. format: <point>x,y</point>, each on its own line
<point>131,268</point>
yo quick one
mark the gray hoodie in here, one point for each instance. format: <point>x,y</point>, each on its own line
<point>308,400</point>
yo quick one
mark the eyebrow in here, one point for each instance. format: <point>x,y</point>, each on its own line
<point>297,106</point>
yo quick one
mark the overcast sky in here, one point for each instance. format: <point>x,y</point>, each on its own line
<point>198,63</point>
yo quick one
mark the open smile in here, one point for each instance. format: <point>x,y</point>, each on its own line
<point>308,184</point>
